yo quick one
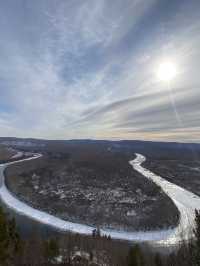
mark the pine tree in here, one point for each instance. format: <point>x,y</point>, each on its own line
<point>4,238</point>
<point>158,260</point>
<point>98,232</point>
<point>14,235</point>
<point>94,231</point>
<point>51,250</point>
<point>135,256</point>
<point>10,242</point>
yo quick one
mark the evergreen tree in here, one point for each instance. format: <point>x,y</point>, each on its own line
<point>4,238</point>
<point>158,260</point>
<point>10,242</point>
<point>98,232</point>
<point>14,235</point>
<point>135,256</point>
<point>94,232</point>
<point>51,250</point>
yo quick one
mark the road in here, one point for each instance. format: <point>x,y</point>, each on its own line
<point>185,201</point>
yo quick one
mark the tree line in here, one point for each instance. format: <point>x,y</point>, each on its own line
<point>94,250</point>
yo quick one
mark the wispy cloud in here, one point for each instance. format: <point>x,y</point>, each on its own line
<point>76,69</point>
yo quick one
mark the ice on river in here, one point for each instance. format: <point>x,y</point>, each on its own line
<point>185,201</point>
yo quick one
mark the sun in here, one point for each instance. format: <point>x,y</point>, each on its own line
<point>167,71</point>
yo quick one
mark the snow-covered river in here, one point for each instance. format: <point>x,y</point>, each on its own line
<point>185,201</point>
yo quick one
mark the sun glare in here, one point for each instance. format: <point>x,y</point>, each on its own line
<point>166,71</point>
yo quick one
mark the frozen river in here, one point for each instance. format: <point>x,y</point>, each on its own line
<point>185,201</point>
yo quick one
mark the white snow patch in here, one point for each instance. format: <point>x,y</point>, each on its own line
<point>18,155</point>
<point>131,213</point>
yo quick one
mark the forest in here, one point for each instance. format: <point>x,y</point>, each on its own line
<point>74,249</point>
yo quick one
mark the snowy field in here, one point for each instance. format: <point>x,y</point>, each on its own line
<point>18,155</point>
<point>185,201</point>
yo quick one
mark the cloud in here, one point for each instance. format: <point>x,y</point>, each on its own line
<point>79,69</point>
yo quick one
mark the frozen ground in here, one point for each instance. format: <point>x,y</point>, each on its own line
<point>18,155</point>
<point>184,200</point>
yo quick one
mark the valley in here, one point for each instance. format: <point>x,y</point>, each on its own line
<point>96,186</point>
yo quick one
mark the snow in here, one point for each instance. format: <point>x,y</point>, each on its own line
<point>131,213</point>
<point>185,201</point>
<point>18,155</point>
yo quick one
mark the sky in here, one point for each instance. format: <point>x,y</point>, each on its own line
<point>88,69</point>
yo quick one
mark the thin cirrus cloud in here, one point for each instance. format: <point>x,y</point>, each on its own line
<point>86,69</point>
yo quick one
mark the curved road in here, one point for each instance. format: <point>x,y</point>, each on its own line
<point>185,201</point>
